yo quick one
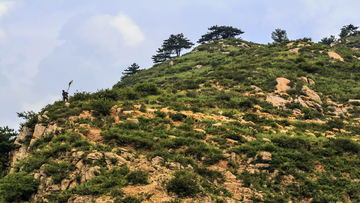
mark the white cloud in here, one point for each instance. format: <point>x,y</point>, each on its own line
<point>5,6</point>
<point>110,33</point>
<point>130,31</point>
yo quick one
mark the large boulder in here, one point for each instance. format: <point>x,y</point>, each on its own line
<point>24,134</point>
<point>41,130</point>
<point>310,93</point>
<point>335,56</point>
<point>275,100</point>
<point>265,156</point>
<point>95,156</point>
<point>282,84</point>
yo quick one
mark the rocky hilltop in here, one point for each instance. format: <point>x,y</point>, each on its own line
<point>231,121</point>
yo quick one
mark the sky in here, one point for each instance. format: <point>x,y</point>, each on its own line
<point>44,44</point>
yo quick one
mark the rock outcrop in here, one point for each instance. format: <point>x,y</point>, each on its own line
<point>275,100</point>
<point>307,80</point>
<point>334,55</point>
<point>312,94</point>
<point>20,153</point>
<point>282,84</point>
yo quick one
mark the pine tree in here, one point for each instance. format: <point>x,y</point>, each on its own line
<point>279,36</point>
<point>174,45</point>
<point>7,137</point>
<point>328,40</point>
<point>218,33</point>
<point>131,70</point>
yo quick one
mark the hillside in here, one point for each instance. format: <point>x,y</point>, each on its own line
<point>231,121</point>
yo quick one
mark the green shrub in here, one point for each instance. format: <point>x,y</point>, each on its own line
<point>129,94</point>
<point>191,94</point>
<point>129,199</point>
<point>58,171</point>
<point>30,117</point>
<point>138,177</point>
<point>177,117</point>
<point>101,107</point>
<point>81,96</point>
<point>184,184</point>
<point>17,187</point>
<point>107,94</point>
<point>148,88</point>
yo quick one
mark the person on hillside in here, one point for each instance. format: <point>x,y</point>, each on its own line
<point>65,95</point>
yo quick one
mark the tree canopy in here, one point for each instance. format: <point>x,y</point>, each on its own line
<point>174,45</point>
<point>218,33</point>
<point>279,36</point>
<point>328,40</point>
<point>7,137</point>
<point>348,30</point>
<point>131,70</point>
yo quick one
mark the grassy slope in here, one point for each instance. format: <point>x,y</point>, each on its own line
<point>323,169</point>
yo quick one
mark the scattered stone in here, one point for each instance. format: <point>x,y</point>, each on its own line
<point>311,81</point>
<point>90,174</point>
<point>94,156</point>
<point>67,104</point>
<point>198,66</point>
<point>265,156</point>
<point>171,63</point>
<point>295,50</point>
<point>233,156</point>
<point>65,184</point>
<point>175,166</point>
<point>266,139</point>
<point>189,168</point>
<point>79,165</point>
<point>304,79</point>
<point>53,188</point>
<point>157,160</point>
<point>134,120</point>
<point>80,199</point>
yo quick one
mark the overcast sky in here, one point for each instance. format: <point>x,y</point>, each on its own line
<point>44,44</point>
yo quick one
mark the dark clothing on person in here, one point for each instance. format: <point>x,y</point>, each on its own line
<point>65,96</point>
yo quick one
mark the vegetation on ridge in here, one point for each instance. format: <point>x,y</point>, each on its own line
<point>201,125</point>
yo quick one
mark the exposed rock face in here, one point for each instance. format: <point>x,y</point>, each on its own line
<point>275,100</point>
<point>41,130</point>
<point>302,102</point>
<point>310,93</point>
<point>282,84</point>
<point>21,152</point>
<point>335,56</point>
<point>24,134</point>
<point>38,132</point>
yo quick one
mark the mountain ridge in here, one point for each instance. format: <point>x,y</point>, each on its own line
<point>231,121</point>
